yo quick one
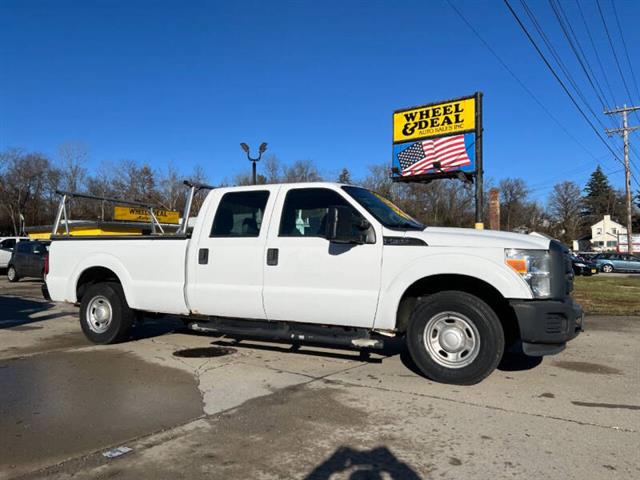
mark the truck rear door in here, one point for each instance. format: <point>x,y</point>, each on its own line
<point>226,263</point>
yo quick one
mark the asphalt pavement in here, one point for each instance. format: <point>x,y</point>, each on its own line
<point>196,406</point>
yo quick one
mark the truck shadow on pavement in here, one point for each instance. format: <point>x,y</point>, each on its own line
<point>377,463</point>
<point>513,360</point>
<point>17,311</point>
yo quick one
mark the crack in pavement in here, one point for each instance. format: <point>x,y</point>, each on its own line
<point>489,407</point>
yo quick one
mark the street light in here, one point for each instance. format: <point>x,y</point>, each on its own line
<point>261,150</point>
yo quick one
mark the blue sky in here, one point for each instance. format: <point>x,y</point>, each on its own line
<point>185,82</point>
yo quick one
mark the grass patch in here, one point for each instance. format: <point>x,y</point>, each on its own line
<point>608,295</point>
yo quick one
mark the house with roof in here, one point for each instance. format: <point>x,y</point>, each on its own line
<point>604,236</point>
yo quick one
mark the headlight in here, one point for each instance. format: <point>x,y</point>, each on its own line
<point>581,265</point>
<point>534,266</point>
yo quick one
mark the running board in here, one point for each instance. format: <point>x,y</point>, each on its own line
<point>288,332</point>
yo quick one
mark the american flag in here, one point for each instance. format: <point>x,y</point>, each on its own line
<point>420,157</point>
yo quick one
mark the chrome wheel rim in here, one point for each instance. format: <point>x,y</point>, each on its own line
<point>99,314</point>
<point>451,339</point>
<point>607,269</point>
<point>11,273</point>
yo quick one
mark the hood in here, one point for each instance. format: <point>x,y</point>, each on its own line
<point>468,237</point>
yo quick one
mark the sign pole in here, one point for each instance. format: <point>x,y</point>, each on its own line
<point>479,170</point>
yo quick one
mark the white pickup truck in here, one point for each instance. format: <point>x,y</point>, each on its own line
<point>331,264</point>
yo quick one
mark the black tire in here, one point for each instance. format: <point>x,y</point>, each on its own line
<point>106,296</point>
<point>12,275</point>
<point>483,330</point>
<point>607,268</point>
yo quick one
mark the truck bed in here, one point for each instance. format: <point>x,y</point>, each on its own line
<point>151,268</point>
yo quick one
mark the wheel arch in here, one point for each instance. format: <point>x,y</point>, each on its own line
<point>98,269</point>
<point>429,285</point>
<point>93,275</point>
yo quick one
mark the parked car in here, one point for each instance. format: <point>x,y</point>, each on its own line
<point>7,245</point>
<point>582,266</point>
<point>328,263</point>
<point>27,260</point>
<point>617,262</point>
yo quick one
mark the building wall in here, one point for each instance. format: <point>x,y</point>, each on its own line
<point>604,234</point>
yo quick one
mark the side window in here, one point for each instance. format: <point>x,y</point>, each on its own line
<point>8,243</point>
<point>24,247</point>
<point>239,214</point>
<point>305,210</point>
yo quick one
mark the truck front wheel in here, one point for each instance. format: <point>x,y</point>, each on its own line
<point>455,337</point>
<point>105,316</point>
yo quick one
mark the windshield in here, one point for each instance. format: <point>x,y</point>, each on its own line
<point>383,210</point>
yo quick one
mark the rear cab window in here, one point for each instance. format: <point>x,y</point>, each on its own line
<point>240,214</point>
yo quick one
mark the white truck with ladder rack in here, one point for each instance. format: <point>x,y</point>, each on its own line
<point>325,263</point>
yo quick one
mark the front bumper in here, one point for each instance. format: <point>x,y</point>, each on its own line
<point>547,325</point>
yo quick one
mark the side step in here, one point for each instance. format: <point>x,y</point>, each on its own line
<point>288,332</point>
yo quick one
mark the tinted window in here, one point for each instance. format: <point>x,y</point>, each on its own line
<point>8,243</point>
<point>305,210</point>
<point>24,247</point>
<point>240,214</point>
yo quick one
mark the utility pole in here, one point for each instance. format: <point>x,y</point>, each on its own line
<point>624,131</point>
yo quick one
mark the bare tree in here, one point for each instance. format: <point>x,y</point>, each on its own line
<point>513,198</point>
<point>72,164</point>
<point>170,188</point>
<point>565,206</point>
<point>272,169</point>
<point>25,179</point>
<point>379,180</point>
<point>301,171</point>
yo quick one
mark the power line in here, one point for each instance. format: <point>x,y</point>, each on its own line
<point>565,25</point>
<point>613,49</point>
<point>626,51</point>
<point>559,61</point>
<point>518,80</point>
<point>562,84</point>
<point>595,50</point>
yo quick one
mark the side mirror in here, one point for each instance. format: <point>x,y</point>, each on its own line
<point>344,227</point>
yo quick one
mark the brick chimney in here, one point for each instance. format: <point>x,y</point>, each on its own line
<point>494,209</point>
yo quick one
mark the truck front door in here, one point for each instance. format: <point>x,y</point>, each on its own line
<point>307,278</point>
<point>226,265</point>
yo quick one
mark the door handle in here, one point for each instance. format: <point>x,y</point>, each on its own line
<point>203,256</point>
<point>272,256</point>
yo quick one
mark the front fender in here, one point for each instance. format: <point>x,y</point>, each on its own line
<point>103,260</point>
<point>498,275</point>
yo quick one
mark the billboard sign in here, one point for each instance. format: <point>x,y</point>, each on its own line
<point>133,214</point>
<point>437,119</point>
<point>435,140</point>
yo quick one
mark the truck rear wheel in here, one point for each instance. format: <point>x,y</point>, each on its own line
<point>455,337</point>
<point>105,316</point>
